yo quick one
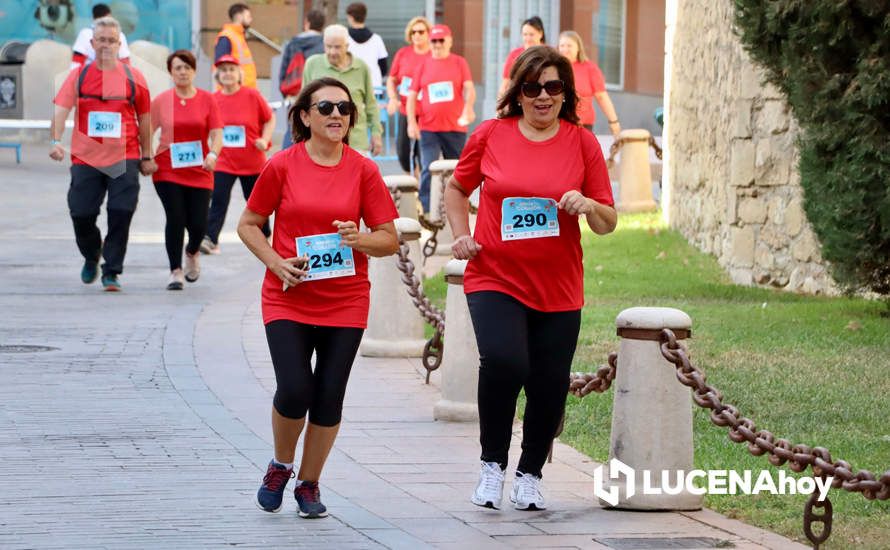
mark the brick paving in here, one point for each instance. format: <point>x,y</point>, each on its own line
<point>148,426</point>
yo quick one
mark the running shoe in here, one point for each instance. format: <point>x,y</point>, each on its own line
<point>89,272</point>
<point>209,247</point>
<point>271,492</point>
<point>192,267</point>
<point>309,500</point>
<point>490,489</point>
<point>110,283</point>
<point>526,493</point>
<point>177,281</point>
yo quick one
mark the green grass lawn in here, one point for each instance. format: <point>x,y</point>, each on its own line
<point>813,370</point>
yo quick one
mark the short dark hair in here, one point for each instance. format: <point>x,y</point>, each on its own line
<point>185,56</point>
<point>235,9</point>
<point>528,68</point>
<point>315,19</point>
<point>535,22</point>
<point>358,11</point>
<point>101,10</point>
<point>301,132</point>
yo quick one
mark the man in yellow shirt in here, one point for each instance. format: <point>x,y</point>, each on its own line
<point>231,40</point>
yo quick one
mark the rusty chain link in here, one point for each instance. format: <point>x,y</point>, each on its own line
<point>581,384</point>
<point>429,247</point>
<point>432,350</point>
<point>619,143</point>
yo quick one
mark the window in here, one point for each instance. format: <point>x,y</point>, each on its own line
<point>608,38</point>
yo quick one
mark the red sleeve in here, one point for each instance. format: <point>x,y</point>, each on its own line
<point>79,58</point>
<point>468,172</point>
<point>465,73</point>
<point>214,119</point>
<point>143,96</point>
<point>67,94</point>
<point>597,185</point>
<point>377,204</point>
<point>396,65</point>
<point>156,113</point>
<point>266,194</point>
<point>597,81</point>
<point>265,111</point>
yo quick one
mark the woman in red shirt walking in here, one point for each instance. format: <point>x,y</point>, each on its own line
<point>248,123</point>
<point>316,293</point>
<point>186,116</point>
<point>532,35</point>
<point>524,280</point>
<point>398,85</point>
<point>589,83</point>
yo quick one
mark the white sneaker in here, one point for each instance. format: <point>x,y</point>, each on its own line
<point>490,489</point>
<point>177,281</point>
<point>207,247</point>
<point>192,267</point>
<point>526,493</point>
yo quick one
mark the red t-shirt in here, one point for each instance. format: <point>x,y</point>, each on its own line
<point>442,82</point>
<point>180,125</point>
<point>403,68</point>
<point>543,273</point>
<point>588,81</point>
<point>306,198</point>
<point>113,83</point>
<point>511,58</point>
<point>243,115</point>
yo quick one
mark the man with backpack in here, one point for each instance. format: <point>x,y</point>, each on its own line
<point>296,52</point>
<point>110,146</point>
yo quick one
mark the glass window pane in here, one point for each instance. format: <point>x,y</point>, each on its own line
<point>608,35</point>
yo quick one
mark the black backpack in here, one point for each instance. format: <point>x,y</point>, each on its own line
<point>130,79</point>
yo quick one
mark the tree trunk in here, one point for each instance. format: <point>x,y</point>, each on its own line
<point>329,7</point>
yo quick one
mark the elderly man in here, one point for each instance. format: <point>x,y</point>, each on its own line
<point>110,145</point>
<point>446,106</point>
<point>338,63</point>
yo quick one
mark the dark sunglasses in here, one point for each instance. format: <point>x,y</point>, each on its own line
<point>346,108</point>
<point>438,41</point>
<point>533,89</point>
<point>418,31</point>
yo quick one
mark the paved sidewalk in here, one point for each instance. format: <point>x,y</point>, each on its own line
<point>148,425</point>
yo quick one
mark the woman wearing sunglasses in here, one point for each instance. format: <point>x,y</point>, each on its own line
<point>398,83</point>
<point>524,279</point>
<point>315,293</point>
<point>589,83</point>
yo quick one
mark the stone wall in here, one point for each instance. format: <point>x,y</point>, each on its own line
<point>734,187</point>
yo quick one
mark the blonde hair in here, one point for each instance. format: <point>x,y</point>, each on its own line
<point>582,55</point>
<point>414,21</point>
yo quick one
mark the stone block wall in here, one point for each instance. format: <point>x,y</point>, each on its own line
<point>734,187</point>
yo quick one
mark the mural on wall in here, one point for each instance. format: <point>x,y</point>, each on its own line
<point>166,22</point>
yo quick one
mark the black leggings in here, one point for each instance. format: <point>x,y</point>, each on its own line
<point>299,389</point>
<point>186,209</point>
<point>520,347</point>
<point>404,148</point>
<point>222,194</point>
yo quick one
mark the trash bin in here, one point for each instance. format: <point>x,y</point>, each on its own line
<point>12,58</point>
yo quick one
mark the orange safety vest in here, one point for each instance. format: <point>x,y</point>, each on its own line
<point>235,33</point>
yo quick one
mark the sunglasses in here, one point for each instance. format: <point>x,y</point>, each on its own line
<point>533,89</point>
<point>438,41</point>
<point>418,31</point>
<point>325,107</point>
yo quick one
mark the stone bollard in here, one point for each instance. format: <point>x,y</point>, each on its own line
<point>460,358</point>
<point>441,170</point>
<point>651,411</point>
<point>407,187</point>
<point>395,327</point>
<point>635,175</point>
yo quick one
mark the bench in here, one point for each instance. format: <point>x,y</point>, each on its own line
<point>26,124</point>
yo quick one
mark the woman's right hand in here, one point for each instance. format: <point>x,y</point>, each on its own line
<point>291,271</point>
<point>392,106</point>
<point>465,248</point>
<point>413,130</point>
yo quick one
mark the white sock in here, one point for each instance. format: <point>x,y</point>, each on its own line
<point>288,466</point>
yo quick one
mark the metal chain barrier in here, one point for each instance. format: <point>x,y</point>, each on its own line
<point>581,384</point>
<point>432,350</point>
<point>619,143</point>
<point>429,247</point>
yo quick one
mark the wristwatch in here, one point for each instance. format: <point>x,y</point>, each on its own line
<point>145,159</point>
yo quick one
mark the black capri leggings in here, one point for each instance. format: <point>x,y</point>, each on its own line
<point>299,389</point>
<point>520,347</point>
<point>186,209</point>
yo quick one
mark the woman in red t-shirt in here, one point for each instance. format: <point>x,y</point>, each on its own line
<point>186,116</point>
<point>589,83</point>
<point>248,123</point>
<point>315,294</point>
<point>532,35</point>
<point>398,84</point>
<point>524,280</point>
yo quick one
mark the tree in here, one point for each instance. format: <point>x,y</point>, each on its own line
<point>831,59</point>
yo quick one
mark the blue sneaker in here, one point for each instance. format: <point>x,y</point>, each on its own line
<point>271,492</point>
<point>110,283</point>
<point>89,272</point>
<point>309,500</point>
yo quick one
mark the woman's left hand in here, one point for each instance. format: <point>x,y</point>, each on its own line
<point>348,232</point>
<point>210,161</point>
<point>575,204</point>
<point>261,144</point>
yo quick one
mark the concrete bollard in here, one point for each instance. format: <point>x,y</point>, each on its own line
<point>441,170</point>
<point>395,327</point>
<point>407,187</point>
<point>635,175</point>
<point>460,358</point>
<point>651,411</point>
